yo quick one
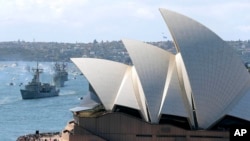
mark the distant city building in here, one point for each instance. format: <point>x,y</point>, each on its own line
<point>196,94</point>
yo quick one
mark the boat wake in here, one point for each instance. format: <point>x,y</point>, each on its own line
<point>8,100</point>
<point>65,92</point>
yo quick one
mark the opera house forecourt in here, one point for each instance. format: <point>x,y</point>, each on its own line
<point>197,94</point>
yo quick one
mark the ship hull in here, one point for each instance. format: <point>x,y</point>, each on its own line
<point>26,94</point>
<point>59,78</point>
<point>58,81</point>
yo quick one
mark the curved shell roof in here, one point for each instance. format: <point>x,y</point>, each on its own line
<point>203,82</point>
<point>153,79</point>
<point>216,74</point>
<point>105,76</point>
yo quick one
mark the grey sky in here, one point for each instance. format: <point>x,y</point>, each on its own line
<point>86,20</point>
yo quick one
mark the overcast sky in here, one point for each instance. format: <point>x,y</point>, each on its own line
<point>86,20</point>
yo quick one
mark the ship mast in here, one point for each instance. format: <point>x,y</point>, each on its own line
<point>37,72</point>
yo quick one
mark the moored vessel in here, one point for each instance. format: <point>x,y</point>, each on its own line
<point>35,89</point>
<point>61,75</point>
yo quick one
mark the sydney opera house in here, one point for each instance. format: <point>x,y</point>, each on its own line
<point>196,94</point>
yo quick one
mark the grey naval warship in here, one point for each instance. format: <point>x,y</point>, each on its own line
<point>61,75</point>
<point>35,89</point>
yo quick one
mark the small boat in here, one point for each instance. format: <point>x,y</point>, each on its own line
<point>35,89</point>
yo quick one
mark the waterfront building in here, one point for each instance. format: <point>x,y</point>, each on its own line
<point>196,94</point>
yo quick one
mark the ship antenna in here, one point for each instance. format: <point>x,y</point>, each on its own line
<point>37,72</point>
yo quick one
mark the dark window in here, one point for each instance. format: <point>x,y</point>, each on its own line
<point>171,136</point>
<point>177,121</point>
<point>197,136</point>
<point>144,135</point>
<point>129,111</point>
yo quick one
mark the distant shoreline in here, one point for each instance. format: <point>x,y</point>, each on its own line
<point>110,50</point>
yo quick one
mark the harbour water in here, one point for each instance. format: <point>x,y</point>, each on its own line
<point>20,117</point>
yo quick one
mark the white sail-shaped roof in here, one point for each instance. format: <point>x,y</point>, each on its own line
<point>203,82</point>
<point>126,95</point>
<point>242,108</point>
<point>151,64</point>
<point>105,77</point>
<point>174,100</point>
<point>216,74</point>
<point>129,94</point>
